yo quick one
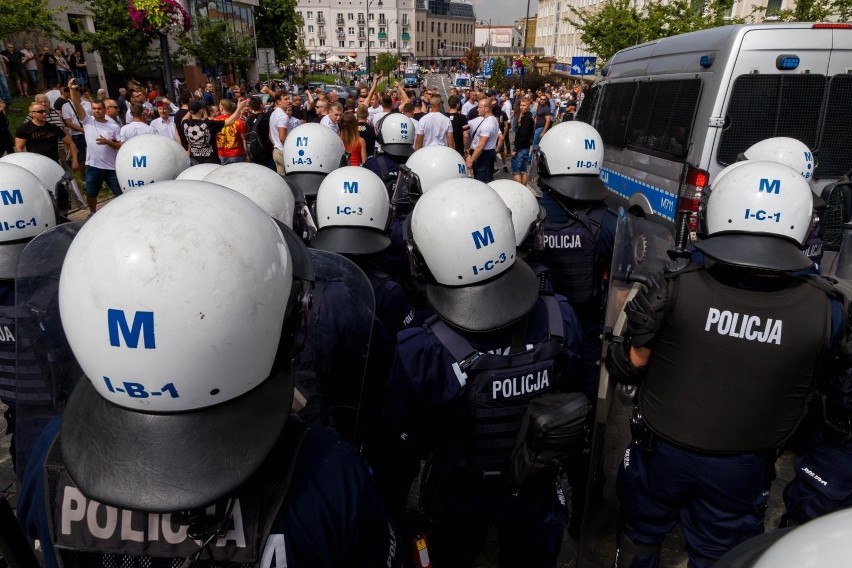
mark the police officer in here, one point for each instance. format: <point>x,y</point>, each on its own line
<point>579,230</point>
<point>706,431</point>
<point>460,384</point>
<point>178,447</point>
<point>426,168</point>
<point>311,152</point>
<point>395,133</point>
<point>25,386</point>
<point>353,212</point>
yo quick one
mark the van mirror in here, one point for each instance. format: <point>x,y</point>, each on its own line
<point>837,213</point>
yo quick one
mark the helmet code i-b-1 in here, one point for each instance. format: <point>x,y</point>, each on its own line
<point>173,300</point>
<point>147,159</point>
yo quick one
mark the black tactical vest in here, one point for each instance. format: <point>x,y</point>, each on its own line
<point>89,534</point>
<point>569,252</point>
<point>24,361</point>
<point>498,388</point>
<point>732,368</point>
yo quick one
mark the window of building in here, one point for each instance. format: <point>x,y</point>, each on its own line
<point>360,44</point>
<point>310,29</point>
<point>372,31</point>
<point>433,27</point>
<point>341,44</point>
<point>320,16</point>
<point>773,7</point>
<point>382,43</point>
<point>350,16</point>
<point>372,16</point>
<point>351,44</point>
<point>351,31</point>
<point>310,15</point>
<point>372,43</point>
<point>322,42</point>
<point>445,27</point>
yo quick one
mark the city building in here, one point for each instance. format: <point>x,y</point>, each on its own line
<point>560,39</point>
<point>526,27</point>
<point>444,30</point>
<point>486,35</point>
<point>357,28</point>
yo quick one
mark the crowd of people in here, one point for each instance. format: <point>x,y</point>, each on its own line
<point>315,302</point>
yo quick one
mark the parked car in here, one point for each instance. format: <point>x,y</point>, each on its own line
<point>342,92</point>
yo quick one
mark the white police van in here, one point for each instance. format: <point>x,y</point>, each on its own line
<point>674,112</point>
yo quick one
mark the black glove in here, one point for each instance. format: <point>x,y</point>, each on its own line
<point>646,312</point>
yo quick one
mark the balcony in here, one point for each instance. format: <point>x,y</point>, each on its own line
<point>321,33</point>
<point>320,19</point>
<point>405,36</point>
<point>361,35</point>
<point>362,22</point>
<point>340,19</point>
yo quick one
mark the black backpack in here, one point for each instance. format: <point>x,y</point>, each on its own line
<point>258,143</point>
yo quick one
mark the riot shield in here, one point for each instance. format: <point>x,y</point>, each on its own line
<point>640,251</point>
<point>330,368</point>
<point>45,368</point>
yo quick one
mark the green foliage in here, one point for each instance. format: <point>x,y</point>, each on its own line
<point>122,49</point>
<point>386,63</point>
<point>472,60</point>
<point>213,44</point>
<point>618,23</point>
<point>812,11</point>
<point>498,73</point>
<point>277,23</point>
<point>18,16</point>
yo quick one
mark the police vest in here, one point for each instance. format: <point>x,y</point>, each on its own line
<point>25,358</point>
<point>88,534</point>
<point>569,252</point>
<point>498,387</point>
<point>731,369</point>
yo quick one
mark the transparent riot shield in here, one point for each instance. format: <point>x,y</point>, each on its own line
<point>331,366</point>
<point>45,369</point>
<point>640,251</point>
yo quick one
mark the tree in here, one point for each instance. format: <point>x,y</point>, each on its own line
<point>214,45</point>
<point>617,24</point>
<point>472,59</point>
<point>498,73</point>
<point>277,22</point>
<point>386,63</point>
<point>18,16</point>
<point>122,48</point>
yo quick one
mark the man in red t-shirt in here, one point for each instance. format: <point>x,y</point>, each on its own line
<point>231,140</point>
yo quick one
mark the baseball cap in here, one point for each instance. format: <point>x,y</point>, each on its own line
<point>417,101</point>
<point>195,106</point>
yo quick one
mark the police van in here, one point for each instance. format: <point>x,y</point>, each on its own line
<point>674,112</point>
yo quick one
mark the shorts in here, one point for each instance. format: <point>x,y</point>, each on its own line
<point>521,161</point>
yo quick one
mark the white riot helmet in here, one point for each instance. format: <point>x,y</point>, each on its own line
<point>352,212</point>
<point>462,232</point>
<point>570,159</point>
<point>262,185</point>
<point>395,133</point>
<point>173,300</point>
<point>312,151</point>
<point>197,172</point>
<point>426,168</point>
<point>48,172</point>
<point>783,150</point>
<point>26,209</point>
<point>527,214</point>
<point>758,215</point>
<point>823,541</point>
<point>147,159</point>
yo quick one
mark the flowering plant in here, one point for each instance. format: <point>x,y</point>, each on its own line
<point>162,16</point>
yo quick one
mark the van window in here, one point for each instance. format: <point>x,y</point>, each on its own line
<point>662,118</point>
<point>615,112</point>
<point>584,114</point>
<point>834,153</point>
<point>763,106</point>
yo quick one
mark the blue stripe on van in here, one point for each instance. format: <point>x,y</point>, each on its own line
<point>661,200</point>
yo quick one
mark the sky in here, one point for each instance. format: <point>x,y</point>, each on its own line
<point>503,11</point>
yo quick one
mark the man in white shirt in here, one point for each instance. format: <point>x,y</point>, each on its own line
<point>165,123</point>
<point>137,126</point>
<point>102,141</point>
<point>332,119</point>
<point>469,103</point>
<point>278,123</point>
<point>484,131</point>
<point>435,128</point>
<point>75,128</point>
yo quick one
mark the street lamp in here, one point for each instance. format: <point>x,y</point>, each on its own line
<point>368,34</point>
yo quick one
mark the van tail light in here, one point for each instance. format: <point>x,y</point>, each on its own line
<point>692,189</point>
